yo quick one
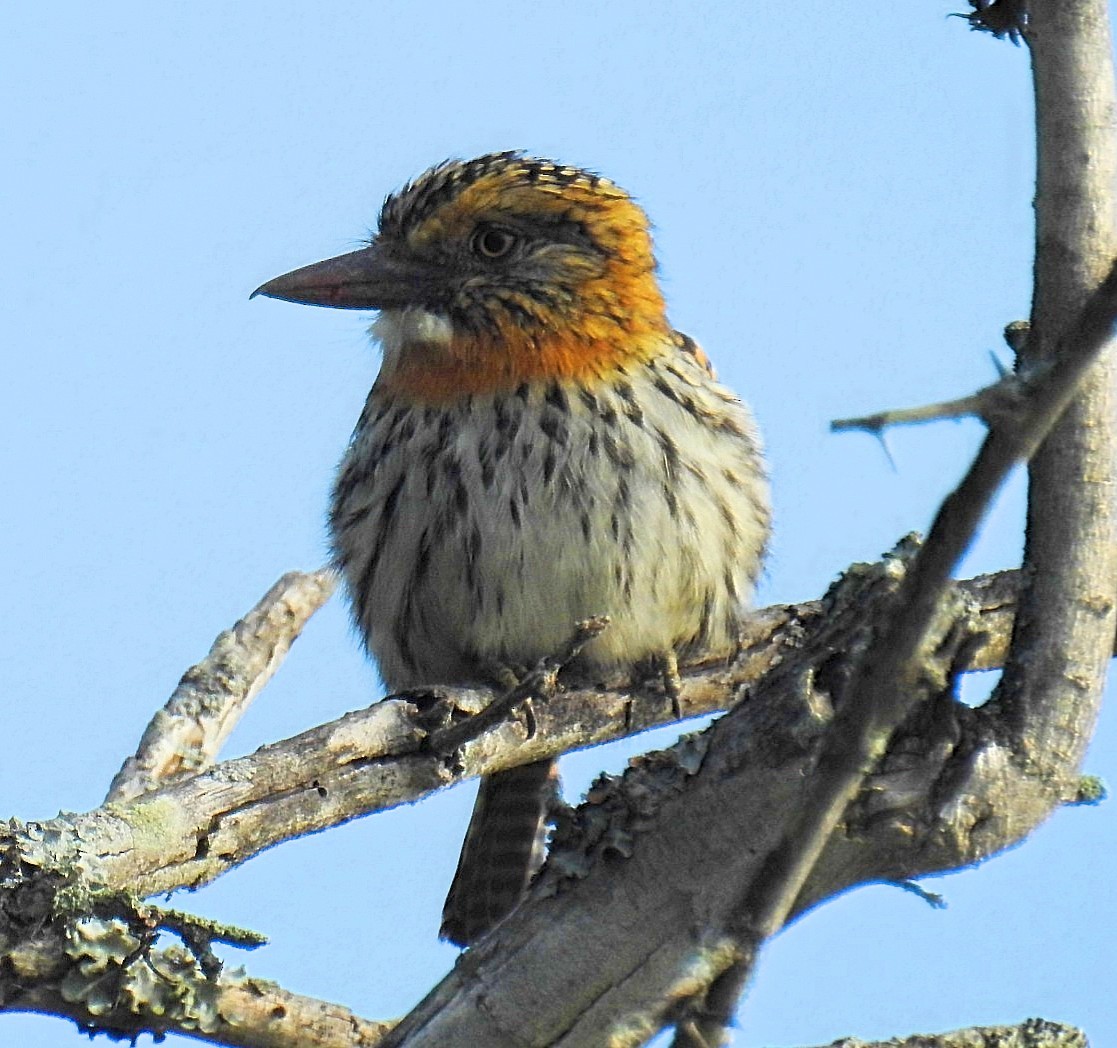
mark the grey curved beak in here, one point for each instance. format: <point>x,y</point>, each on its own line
<point>371,278</point>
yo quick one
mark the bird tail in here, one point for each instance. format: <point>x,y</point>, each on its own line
<point>502,851</point>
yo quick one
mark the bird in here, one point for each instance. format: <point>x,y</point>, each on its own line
<point>539,446</point>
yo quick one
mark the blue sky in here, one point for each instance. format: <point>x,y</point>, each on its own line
<point>843,208</point>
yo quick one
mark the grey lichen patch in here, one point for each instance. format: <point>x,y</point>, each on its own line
<point>111,973</point>
<point>617,808</point>
<point>39,844</point>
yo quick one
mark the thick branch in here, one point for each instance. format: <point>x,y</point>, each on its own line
<point>96,976</point>
<point>1034,1033</point>
<point>615,938</point>
<point>1071,521</point>
<point>191,831</point>
<point>1053,681</point>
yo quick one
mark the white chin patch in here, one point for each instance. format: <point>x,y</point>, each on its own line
<point>397,329</point>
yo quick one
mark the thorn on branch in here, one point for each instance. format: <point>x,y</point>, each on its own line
<point>999,404</point>
<point>932,899</point>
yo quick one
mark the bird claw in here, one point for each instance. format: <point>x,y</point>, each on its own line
<point>668,665</point>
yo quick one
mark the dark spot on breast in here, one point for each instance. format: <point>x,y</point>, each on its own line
<point>555,428</point>
<point>618,453</point>
<point>624,493</point>
<point>340,521</point>
<point>666,388</point>
<point>505,421</point>
<point>391,502</point>
<point>556,397</point>
<point>728,424</point>
<point>726,514</point>
<point>670,450</point>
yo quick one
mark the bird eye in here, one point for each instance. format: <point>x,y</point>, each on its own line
<point>490,242</point>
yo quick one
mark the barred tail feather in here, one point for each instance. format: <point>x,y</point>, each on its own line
<point>502,851</point>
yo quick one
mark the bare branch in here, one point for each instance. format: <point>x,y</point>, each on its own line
<point>989,404</point>
<point>888,681</point>
<point>1033,1033</point>
<point>615,938</point>
<point>1052,683</point>
<point>186,735</point>
<point>191,831</point>
<point>94,976</point>
<point>964,407</point>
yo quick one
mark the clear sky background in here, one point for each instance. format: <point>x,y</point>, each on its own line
<point>842,196</point>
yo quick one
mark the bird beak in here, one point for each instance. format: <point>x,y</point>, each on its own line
<point>366,279</point>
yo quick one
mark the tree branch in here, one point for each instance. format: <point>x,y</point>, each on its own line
<point>93,975</point>
<point>186,735</point>
<point>615,938</point>
<point>1063,635</point>
<point>1033,1033</point>
<point>191,831</point>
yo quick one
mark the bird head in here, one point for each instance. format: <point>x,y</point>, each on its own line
<point>496,271</point>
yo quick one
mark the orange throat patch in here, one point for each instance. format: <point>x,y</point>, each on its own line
<point>427,361</point>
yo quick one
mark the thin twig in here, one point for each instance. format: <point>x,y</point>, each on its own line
<point>964,407</point>
<point>539,683</point>
<point>990,404</point>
